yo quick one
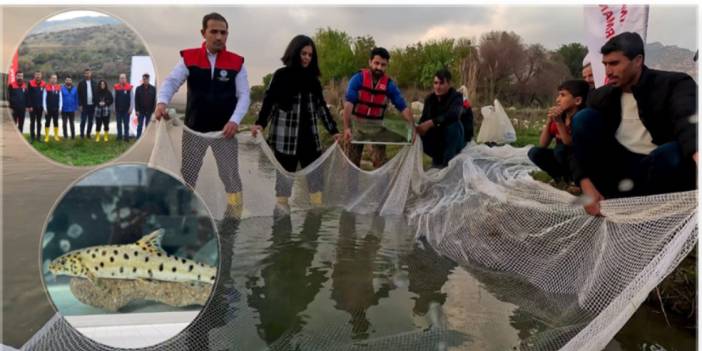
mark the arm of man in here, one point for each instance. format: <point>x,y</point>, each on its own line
<point>399,102</point>
<point>243,97</point>
<point>350,98</point>
<point>137,99</point>
<point>60,101</point>
<point>169,87</point>
<point>683,103</point>
<point>43,100</point>
<point>10,93</point>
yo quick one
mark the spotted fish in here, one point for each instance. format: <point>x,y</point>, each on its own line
<point>144,259</point>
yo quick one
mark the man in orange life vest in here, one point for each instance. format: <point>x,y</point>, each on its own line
<point>218,98</point>
<point>367,97</point>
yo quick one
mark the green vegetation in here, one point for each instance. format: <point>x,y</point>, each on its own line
<point>81,152</point>
<point>106,49</point>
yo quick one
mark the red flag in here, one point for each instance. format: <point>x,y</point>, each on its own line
<point>13,69</point>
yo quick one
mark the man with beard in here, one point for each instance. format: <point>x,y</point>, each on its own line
<point>367,98</point>
<point>36,106</point>
<point>19,97</point>
<point>639,134</point>
<point>86,91</point>
<point>440,126</point>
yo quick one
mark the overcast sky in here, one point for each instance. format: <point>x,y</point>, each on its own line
<point>261,33</point>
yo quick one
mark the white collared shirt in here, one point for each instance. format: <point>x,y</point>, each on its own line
<point>179,75</point>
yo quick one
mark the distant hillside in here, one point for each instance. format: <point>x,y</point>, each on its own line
<point>106,49</point>
<point>80,22</point>
<point>671,58</point>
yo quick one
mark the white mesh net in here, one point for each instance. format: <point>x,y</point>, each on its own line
<point>584,275</point>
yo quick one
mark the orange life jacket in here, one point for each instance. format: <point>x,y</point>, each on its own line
<point>372,100</point>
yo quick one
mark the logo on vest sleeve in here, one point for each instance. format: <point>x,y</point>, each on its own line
<point>223,76</point>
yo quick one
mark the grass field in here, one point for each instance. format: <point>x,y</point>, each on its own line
<point>81,152</point>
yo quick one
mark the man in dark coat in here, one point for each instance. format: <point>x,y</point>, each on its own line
<point>440,126</point>
<point>639,134</point>
<point>86,102</point>
<point>144,103</point>
<point>18,94</point>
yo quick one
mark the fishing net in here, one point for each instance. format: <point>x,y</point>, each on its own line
<point>528,243</point>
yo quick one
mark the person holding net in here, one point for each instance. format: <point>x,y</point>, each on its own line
<point>367,98</point>
<point>638,135</point>
<point>218,98</point>
<point>294,103</point>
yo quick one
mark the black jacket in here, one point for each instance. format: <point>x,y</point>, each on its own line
<point>83,92</point>
<point>443,112</point>
<point>666,101</point>
<point>104,96</point>
<point>145,99</point>
<point>18,96</point>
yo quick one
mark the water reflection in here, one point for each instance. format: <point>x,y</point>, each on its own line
<point>352,287</point>
<point>288,282</point>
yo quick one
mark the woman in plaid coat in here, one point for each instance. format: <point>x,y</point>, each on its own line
<point>293,104</point>
<point>104,99</point>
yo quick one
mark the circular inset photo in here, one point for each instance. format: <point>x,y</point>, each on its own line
<point>81,87</point>
<point>129,256</point>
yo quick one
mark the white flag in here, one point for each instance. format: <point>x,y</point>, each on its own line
<point>602,22</point>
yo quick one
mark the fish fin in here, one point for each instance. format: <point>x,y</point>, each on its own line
<point>152,241</point>
<point>97,282</point>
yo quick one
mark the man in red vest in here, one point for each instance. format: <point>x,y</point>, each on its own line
<point>367,98</point>
<point>19,99</point>
<point>218,98</point>
<point>123,108</point>
<point>35,106</point>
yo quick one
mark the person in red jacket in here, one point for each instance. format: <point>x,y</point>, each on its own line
<point>218,98</point>
<point>123,106</point>
<point>36,106</point>
<point>52,104</point>
<point>19,98</point>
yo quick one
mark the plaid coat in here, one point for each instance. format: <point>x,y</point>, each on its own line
<point>284,129</point>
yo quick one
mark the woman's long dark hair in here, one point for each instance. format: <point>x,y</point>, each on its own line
<point>100,89</point>
<point>291,58</point>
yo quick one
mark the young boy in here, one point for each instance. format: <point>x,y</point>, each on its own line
<point>572,95</point>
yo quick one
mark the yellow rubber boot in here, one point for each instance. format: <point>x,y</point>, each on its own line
<point>281,200</point>
<point>235,206</point>
<point>97,137</point>
<point>234,199</point>
<point>46,135</point>
<point>316,199</point>
<point>105,138</point>
<point>56,134</point>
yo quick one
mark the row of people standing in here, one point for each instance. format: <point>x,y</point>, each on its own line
<point>94,101</point>
<point>218,98</point>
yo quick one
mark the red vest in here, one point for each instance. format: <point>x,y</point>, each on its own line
<point>34,84</point>
<point>372,100</point>
<point>126,86</point>
<point>211,98</point>
<point>52,88</point>
<point>14,85</point>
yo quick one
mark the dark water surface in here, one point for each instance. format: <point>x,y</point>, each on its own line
<point>317,279</point>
